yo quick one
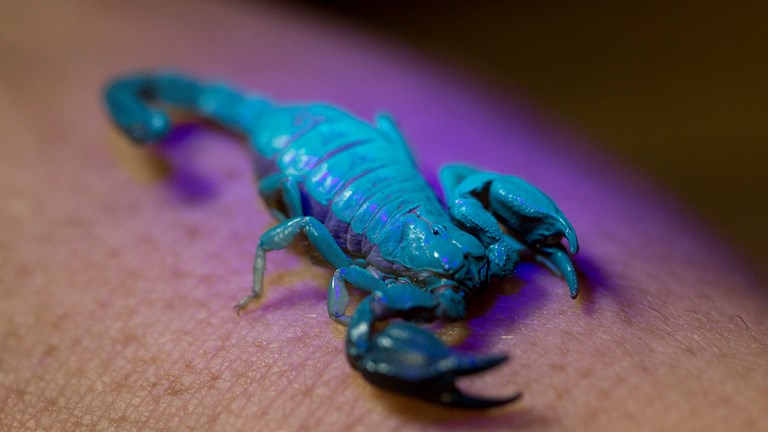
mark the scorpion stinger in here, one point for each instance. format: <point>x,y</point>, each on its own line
<point>354,190</point>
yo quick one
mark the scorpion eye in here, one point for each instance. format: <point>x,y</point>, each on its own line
<point>435,231</point>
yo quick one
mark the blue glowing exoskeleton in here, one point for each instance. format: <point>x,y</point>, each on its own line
<point>354,190</point>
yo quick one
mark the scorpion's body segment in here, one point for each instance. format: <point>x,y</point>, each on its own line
<point>351,177</point>
<point>355,191</point>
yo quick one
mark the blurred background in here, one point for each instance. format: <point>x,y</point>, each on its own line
<point>677,89</point>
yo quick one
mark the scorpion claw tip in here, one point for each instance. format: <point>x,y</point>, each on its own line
<point>473,364</point>
<point>573,241</point>
<point>573,286</point>
<point>458,399</point>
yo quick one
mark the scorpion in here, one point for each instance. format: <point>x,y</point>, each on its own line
<point>354,190</point>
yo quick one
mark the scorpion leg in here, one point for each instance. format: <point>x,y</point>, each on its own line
<point>387,124</point>
<point>280,236</point>
<point>279,186</point>
<point>406,358</point>
<point>479,201</point>
<point>338,294</point>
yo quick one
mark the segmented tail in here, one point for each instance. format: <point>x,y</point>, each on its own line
<point>136,103</point>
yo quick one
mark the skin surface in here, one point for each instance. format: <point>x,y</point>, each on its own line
<point>118,278</point>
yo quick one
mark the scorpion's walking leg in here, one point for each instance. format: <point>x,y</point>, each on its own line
<point>479,201</point>
<point>408,359</point>
<point>280,237</point>
<point>387,124</point>
<point>338,293</point>
<point>277,187</point>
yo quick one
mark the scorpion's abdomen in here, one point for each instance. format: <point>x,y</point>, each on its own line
<point>295,137</point>
<point>353,176</point>
<point>325,148</point>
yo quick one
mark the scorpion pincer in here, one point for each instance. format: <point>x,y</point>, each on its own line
<point>354,190</point>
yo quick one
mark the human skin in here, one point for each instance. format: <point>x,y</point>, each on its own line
<point>118,278</point>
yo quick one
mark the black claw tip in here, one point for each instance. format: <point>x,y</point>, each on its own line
<point>458,399</point>
<point>477,364</point>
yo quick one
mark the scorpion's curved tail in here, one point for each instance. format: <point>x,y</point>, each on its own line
<point>136,103</point>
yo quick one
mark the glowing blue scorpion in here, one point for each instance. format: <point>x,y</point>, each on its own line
<point>356,193</point>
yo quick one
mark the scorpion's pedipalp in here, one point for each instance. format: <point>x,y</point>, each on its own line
<point>480,201</point>
<point>408,359</point>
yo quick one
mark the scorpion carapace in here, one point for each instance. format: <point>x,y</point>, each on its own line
<point>354,190</point>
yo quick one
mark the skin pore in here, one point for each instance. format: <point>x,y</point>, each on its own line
<point>118,281</point>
